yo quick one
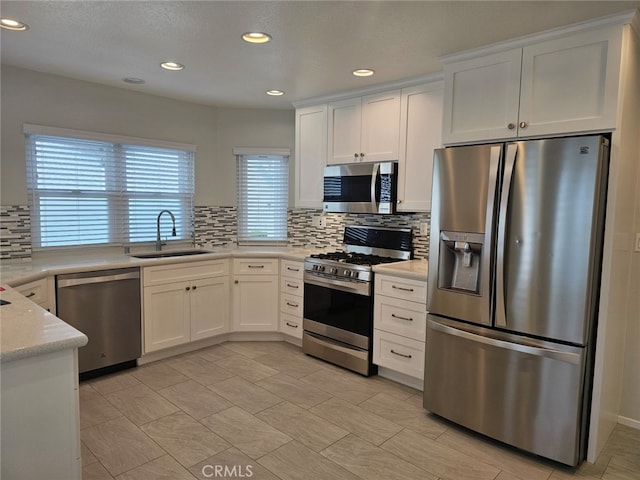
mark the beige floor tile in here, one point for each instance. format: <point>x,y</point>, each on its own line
<point>199,369</point>
<point>366,425</point>
<point>95,471</point>
<point>295,391</point>
<point>310,430</point>
<point>246,395</point>
<point>255,349</point>
<point>120,445</point>
<point>371,462</point>
<point>405,414</point>
<point>347,386</point>
<point>163,468</point>
<point>194,399</point>
<point>214,353</point>
<point>86,456</point>
<point>140,404</point>
<point>158,375</point>
<point>94,408</point>
<point>294,461</point>
<point>438,459</point>
<point>246,368</point>
<point>629,461</point>
<point>231,463</point>
<point>620,473</point>
<point>112,383</point>
<point>185,439</point>
<point>393,389</point>
<point>505,458</point>
<point>297,366</point>
<point>245,432</point>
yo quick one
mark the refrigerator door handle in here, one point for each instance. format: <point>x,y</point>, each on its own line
<point>522,346</point>
<point>509,164</point>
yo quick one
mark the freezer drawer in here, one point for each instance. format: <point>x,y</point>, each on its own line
<point>528,395</point>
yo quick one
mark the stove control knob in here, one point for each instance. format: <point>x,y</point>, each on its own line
<point>348,273</point>
<point>354,275</point>
<point>315,267</point>
<point>321,268</point>
<point>334,270</point>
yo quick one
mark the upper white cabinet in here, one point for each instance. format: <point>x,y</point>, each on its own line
<point>364,128</point>
<point>560,85</point>
<point>420,134</point>
<point>311,155</point>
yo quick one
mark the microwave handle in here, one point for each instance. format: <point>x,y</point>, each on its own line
<point>374,180</point>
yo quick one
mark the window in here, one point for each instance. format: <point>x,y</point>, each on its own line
<point>89,188</point>
<point>263,187</point>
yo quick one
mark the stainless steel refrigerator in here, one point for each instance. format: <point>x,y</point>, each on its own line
<point>514,268</point>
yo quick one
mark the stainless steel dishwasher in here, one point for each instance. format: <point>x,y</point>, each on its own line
<point>105,306</point>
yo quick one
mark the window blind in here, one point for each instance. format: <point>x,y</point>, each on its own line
<point>84,191</point>
<point>262,198</point>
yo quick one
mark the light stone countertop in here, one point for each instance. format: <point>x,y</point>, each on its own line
<point>27,330</point>
<point>413,269</point>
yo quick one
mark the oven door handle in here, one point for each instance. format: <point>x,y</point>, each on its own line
<point>351,287</point>
<point>335,344</point>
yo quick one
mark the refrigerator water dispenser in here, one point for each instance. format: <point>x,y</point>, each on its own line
<point>459,262</point>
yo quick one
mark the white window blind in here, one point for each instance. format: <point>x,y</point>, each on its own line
<point>84,191</point>
<point>263,181</point>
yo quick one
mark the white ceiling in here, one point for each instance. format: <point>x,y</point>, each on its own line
<point>316,44</point>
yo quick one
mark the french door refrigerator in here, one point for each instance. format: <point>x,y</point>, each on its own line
<point>514,266</point>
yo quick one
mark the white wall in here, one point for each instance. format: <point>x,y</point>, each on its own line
<point>37,98</point>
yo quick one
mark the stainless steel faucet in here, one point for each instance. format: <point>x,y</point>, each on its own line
<point>173,232</point>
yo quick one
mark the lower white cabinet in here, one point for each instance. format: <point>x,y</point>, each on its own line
<point>291,297</point>
<point>177,312</point>
<point>40,292</point>
<point>255,295</point>
<point>399,324</point>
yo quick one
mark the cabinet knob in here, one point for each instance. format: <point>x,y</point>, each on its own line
<point>187,288</point>
<point>195,286</point>
<point>361,155</point>
<point>355,156</point>
<point>399,201</point>
<point>511,126</point>
<point>236,281</point>
<point>523,124</point>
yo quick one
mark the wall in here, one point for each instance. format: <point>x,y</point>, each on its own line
<point>33,97</point>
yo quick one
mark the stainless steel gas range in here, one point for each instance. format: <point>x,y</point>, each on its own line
<point>338,295</point>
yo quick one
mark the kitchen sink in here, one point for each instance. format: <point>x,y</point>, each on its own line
<point>170,253</point>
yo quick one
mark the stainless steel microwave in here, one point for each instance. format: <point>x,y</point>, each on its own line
<point>361,188</point>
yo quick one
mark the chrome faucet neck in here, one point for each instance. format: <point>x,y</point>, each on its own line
<point>173,231</point>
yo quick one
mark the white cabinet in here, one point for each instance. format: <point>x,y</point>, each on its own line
<point>185,302</point>
<point>255,295</point>
<point>399,321</point>
<point>420,135</point>
<point>310,156</point>
<point>40,292</point>
<point>561,85</point>
<point>364,128</point>
<point>291,297</point>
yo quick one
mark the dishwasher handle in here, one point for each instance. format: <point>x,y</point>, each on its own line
<point>71,282</point>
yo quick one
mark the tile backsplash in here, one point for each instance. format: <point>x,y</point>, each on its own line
<point>216,226</point>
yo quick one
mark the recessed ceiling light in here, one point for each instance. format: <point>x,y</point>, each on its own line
<point>256,37</point>
<point>11,24</point>
<point>274,93</point>
<point>363,72</point>
<point>172,66</point>
<point>134,80</point>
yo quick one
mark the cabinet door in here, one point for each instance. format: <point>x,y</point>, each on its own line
<point>380,137</point>
<point>420,135</point>
<point>166,315</point>
<point>571,84</point>
<point>311,155</point>
<point>255,303</point>
<point>209,307</point>
<point>481,98</point>
<point>344,125</point>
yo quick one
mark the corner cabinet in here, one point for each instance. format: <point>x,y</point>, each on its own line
<point>255,294</point>
<point>310,156</point>
<point>420,135</point>
<point>364,129</point>
<point>185,302</point>
<point>567,84</point>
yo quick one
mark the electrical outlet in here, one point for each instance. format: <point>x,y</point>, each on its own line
<point>424,228</point>
<point>318,221</point>
<point>637,242</point>
<point>323,221</point>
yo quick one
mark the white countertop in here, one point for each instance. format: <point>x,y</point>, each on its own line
<point>27,330</point>
<point>414,269</point>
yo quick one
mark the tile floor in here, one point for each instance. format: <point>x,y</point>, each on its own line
<point>264,410</point>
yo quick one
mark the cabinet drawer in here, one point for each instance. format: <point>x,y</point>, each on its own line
<point>292,286</point>
<point>179,272</point>
<point>407,289</point>
<point>291,304</point>
<point>35,291</point>
<point>255,266</point>
<point>398,353</point>
<point>291,325</point>
<point>401,317</point>
<point>291,269</point>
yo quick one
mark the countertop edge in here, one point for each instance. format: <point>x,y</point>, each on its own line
<point>410,269</point>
